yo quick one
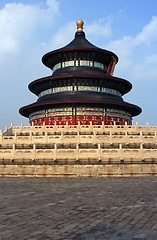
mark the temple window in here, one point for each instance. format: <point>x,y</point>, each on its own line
<point>80,62</point>
<point>80,88</point>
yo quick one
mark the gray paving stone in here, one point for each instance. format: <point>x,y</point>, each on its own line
<point>78,209</point>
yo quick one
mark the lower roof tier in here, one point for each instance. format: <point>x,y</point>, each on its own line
<point>133,110</point>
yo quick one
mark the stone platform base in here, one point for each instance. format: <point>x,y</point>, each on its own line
<point>78,151</point>
<point>78,170</point>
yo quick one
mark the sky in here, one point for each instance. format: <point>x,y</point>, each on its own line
<point>31,28</point>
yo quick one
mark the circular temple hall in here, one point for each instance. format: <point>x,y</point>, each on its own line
<point>82,88</point>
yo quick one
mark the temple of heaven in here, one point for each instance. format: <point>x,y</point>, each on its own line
<point>82,88</point>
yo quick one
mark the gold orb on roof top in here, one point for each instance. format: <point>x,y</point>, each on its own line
<point>79,24</point>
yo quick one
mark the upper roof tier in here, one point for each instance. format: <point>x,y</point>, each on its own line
<point>79,48</point>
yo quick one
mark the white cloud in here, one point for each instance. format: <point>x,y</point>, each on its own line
<point>64,35</point>
<point>148,34</point>
<point>123,48</point>
<point>18,21</point>
<point>136,57</point>
<point>14,23</point>
<point>53,6</point>
<point>146,70</point>
<point>100,27</point>
<point>151,59</point>
<point>21,29</point>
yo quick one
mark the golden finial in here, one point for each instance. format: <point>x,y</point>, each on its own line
<point>79,24</point>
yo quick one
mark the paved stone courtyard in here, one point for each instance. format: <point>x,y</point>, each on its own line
<point>78,209</point>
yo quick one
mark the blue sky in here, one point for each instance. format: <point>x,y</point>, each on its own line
<point>31,28</point>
